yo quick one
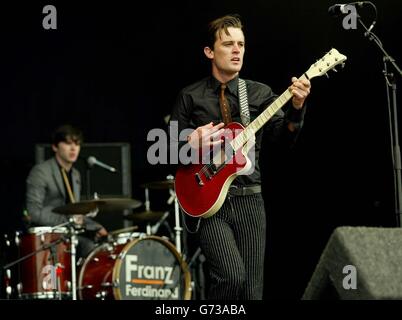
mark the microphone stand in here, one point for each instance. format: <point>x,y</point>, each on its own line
<point>43,247</point>
<point>88,182</point>
<point>390,83</point>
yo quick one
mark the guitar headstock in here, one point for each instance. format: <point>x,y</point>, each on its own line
<point>326,63</point>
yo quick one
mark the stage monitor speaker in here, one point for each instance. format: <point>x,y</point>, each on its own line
<point>105,183</point>
<point>359,263</point>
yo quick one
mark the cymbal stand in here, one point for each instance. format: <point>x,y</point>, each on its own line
<point>147,208</point>
<point>73,249</point>
<point>147,203</point>
<point>177,227</point>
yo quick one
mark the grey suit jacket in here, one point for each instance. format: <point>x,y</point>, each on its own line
<point>45,191</point>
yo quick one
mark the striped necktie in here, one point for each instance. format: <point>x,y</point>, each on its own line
<point>224,104</point>
<point>67,183</point>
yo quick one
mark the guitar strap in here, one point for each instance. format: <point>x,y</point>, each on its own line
<point>244,109</point>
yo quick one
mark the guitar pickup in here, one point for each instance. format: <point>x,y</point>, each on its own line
<point>208,171</point>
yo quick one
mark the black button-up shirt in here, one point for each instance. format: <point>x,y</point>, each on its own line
<point>198,104</point>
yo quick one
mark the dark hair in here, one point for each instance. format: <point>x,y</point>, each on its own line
<point>65,133</point>
<point>222,23</point>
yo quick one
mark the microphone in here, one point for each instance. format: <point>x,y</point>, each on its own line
<point>340,9</point>
<point>92,161</point>
<point>370,28</point>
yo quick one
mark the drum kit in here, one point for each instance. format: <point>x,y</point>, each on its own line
<point>129,265</point>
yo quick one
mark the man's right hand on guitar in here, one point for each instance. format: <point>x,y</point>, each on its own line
<point>206,136</point>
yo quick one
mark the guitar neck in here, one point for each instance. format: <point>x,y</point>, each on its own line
<point>262,119</point>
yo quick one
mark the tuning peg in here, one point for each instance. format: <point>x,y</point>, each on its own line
<point>334,70</point>
<point>343,65</point>
<point>327,75</point>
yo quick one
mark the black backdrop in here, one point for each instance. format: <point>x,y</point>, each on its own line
<point>114,70</point>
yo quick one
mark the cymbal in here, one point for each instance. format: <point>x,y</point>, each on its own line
<point>164,184</point>
<point>116,232</point>
<point>104,205</point>
<point>145,216</point>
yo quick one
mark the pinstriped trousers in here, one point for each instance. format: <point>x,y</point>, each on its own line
<point>233,242</point>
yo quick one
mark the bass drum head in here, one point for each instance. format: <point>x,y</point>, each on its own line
<point>151,269</point>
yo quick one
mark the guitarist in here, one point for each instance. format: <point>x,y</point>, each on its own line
<point>233,240</point>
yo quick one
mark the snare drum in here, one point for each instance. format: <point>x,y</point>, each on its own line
<point>125,237</point>
<point>144,268</point>
<point>47,273</point>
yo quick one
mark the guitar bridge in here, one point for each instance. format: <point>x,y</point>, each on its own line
<point>198,178</point>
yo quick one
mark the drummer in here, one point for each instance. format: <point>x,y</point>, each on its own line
<point>56,182</point>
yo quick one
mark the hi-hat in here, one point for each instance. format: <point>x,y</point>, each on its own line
<point>165,184</point>
<point>103,205</point>
<point>145,216</point>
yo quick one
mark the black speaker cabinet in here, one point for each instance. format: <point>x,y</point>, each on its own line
<point>96,179</point>
<point>362,263</point>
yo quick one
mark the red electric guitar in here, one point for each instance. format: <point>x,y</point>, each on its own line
<point>201,188</point>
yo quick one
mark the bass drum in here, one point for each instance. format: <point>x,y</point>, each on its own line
<point>147,268</point>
